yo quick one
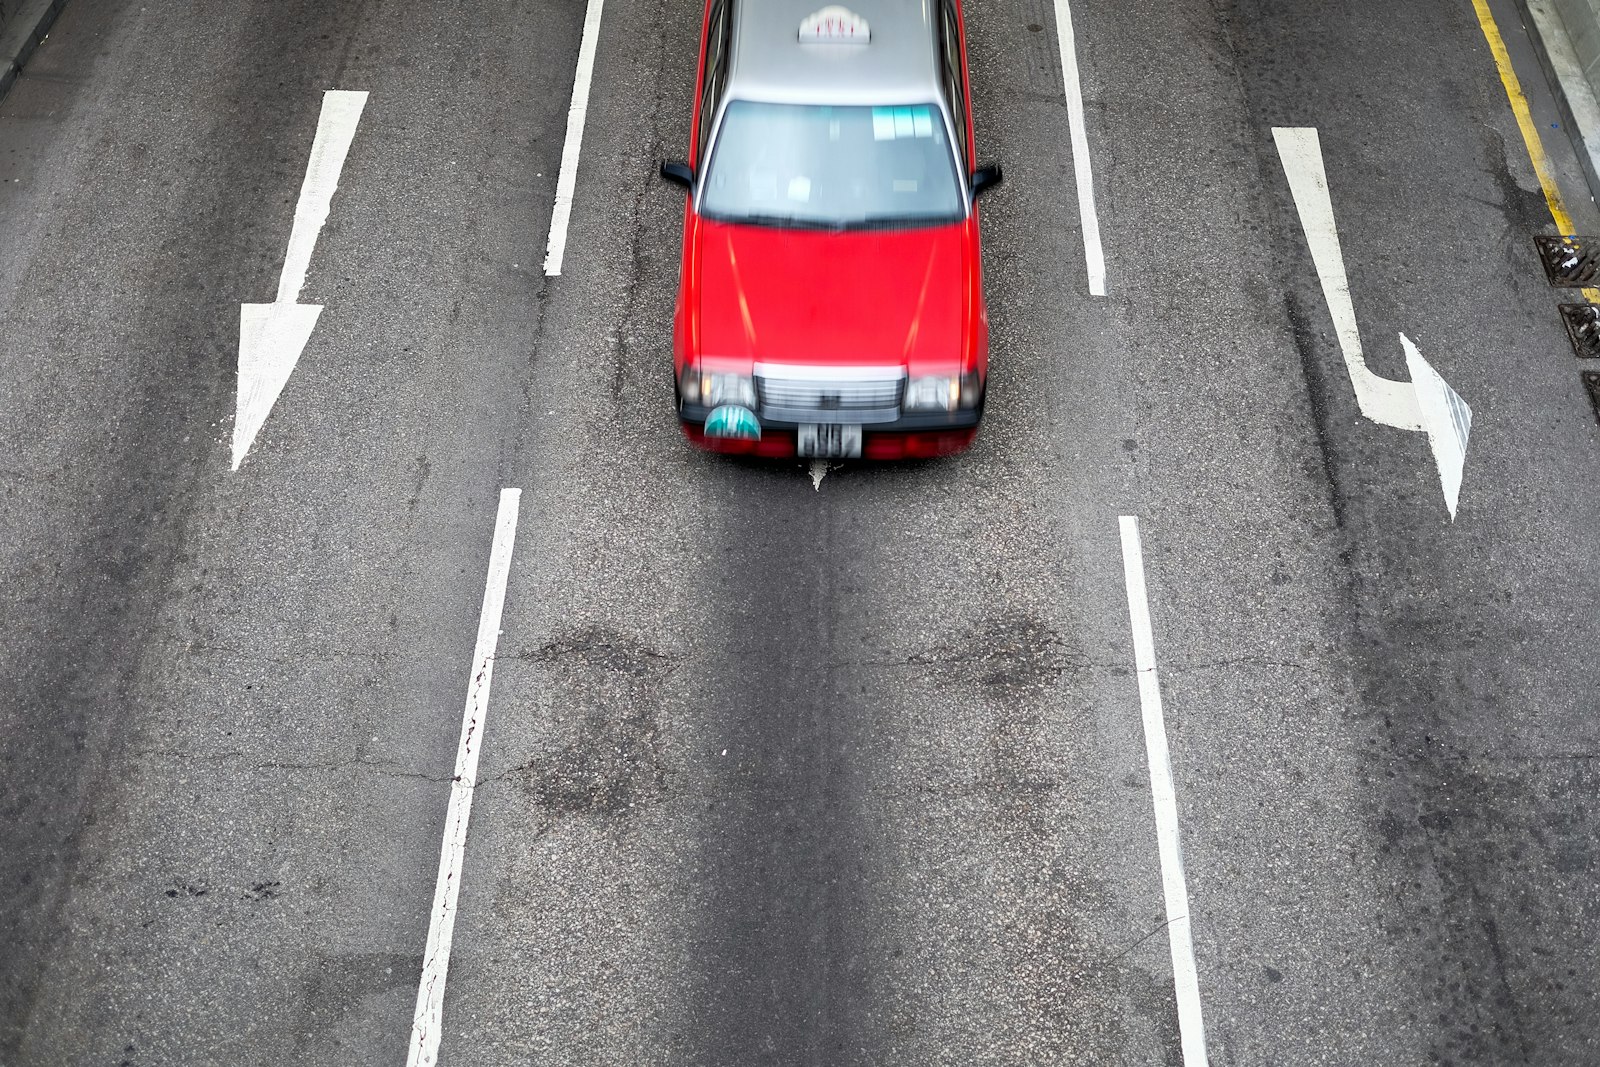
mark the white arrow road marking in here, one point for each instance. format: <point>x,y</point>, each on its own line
<point>1426,404</point>
<point>1447,419</point>
<point>1388,403</point>
<point>577,114</point>
<point>272,336</point>
<point>819,471</point>
<point>1092,252</point>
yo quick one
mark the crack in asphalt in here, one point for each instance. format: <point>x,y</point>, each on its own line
<point>1143,938</point>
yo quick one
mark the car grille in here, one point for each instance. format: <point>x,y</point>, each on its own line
<point>804,394</point>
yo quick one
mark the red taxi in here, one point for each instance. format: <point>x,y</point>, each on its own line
<point>830,302</point>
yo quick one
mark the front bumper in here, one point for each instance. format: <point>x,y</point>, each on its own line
<point>922,435</point>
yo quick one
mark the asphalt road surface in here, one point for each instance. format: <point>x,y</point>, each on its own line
<point>776,770</point>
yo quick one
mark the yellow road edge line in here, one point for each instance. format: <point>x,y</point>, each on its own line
<point>1530,132</point>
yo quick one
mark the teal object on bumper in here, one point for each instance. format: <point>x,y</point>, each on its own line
<point>731,420</point>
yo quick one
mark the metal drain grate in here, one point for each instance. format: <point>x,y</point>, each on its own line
<point>1591,379</point>
<point>1583,329</point>
<point>1569,262</point>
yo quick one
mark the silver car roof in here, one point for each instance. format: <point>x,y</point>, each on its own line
<point>898,66</point>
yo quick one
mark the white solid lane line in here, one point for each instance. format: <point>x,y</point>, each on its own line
<point>1186,984</point>
<point>567,180</point>
<point>1092,252</point>
<point>272,336</point>
<point>423,1050</point>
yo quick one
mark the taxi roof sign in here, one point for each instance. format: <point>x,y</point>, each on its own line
<point>834,25</point>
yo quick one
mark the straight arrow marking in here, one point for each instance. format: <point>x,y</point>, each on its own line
<point>1425,404</point>
<point>272,336</point>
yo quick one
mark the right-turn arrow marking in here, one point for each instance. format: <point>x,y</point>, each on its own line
<point>1425,404</point>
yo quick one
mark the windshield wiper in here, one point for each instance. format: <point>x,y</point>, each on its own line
<point>885,222</point>
<point>856,222</point>
<point>792,222</point>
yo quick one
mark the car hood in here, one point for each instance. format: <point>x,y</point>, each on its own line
<point>864,297</point>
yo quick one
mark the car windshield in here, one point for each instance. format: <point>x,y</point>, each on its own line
<point>808,165</point>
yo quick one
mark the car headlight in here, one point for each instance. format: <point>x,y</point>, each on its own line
<point>932,393</point>
<point>689,385</point>
<point>714,388</point>
<point>971,389</point>
<point>941,392</point>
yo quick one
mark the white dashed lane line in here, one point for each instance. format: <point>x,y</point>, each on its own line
<point>423,1049</point>
<point>1186,984</point>
<point>577,114</point>
<point>1093,254</point>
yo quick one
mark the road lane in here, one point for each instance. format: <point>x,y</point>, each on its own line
<point>766,782</point>
<point>106,432</point>
<point>231,689</point>
<point>1186,387</point>
<point>1469,640</point>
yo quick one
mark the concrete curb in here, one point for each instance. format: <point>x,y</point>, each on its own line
<point>1575,97</point>
<point>20,35</point>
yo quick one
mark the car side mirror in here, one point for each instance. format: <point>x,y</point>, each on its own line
<point>986,178</point>
<point>681,173</point>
